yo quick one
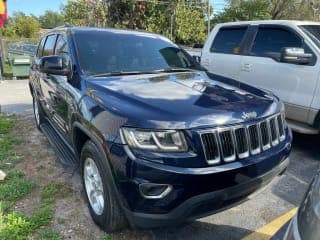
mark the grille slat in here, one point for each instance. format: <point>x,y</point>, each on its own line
<point>228,144</point>
<point>274,131</point>
<point>265,135</point>
<point>242,142</point>
<point>254,139</point>
<point>210,145</point>
<point>280,127</point>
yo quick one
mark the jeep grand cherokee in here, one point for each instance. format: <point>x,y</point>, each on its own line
<point>158,139</point>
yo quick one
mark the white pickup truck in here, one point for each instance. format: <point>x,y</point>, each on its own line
<point>280,56</point>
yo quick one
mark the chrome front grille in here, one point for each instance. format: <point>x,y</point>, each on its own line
<point>237,142</point>
<point>227,145</point>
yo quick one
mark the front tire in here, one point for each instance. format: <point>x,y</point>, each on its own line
<point>102,200</point>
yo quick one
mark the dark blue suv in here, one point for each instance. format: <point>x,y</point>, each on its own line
<point>158,139</point>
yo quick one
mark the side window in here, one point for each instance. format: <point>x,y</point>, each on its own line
<point>270,41</point>
<point>62,49</point>
<point>40,47</point>
<point>49,45</point>
<point>228,40</point>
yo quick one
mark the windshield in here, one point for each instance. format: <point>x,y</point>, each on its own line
<point>313,31</point>
<point>102,52</point>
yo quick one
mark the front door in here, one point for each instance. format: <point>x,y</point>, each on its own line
<point>47,90</point>
<point>292,83</point>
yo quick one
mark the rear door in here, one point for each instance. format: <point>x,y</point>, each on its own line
<point>293,83</point>
<point>222,55</point>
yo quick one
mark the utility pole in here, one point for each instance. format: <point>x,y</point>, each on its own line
<point>209,14</point>
<point>315,9</point>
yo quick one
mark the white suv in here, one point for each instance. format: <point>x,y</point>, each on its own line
<point>280,56</point>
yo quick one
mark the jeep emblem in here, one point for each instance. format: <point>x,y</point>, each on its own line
<point>249,115</point>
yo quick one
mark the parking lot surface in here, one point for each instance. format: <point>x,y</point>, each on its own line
<point>278,199</point>
<point>15,97</point>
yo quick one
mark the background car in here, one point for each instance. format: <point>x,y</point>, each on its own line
<point>306,224</point>
<point>280,56</point>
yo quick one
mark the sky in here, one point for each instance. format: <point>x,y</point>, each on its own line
<point>38,7</point>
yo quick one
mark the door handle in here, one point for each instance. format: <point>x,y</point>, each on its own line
<point>247,67</point>
<point>206,62</point>
<point>46,79</point>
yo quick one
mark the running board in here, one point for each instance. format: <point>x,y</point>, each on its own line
<point>63,152</point>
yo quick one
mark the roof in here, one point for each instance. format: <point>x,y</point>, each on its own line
<point>280,22</point>
<point>109,30</point>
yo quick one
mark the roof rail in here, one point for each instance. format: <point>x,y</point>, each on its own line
<point>64,26</point>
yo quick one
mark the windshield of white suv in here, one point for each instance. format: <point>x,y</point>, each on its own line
<point>115,53</point>
<point>313,31</point>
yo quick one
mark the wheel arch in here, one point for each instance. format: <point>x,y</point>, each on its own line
<point>80,135</point>
<point>84,134</point>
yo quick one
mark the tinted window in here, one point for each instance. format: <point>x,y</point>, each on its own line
<point>40,47</point>
<point>313,31</point>
<point>228,40</point>
<point>62,49</point>
<point>270,41</point>
<point>49,45</point>
<point>104,52</point>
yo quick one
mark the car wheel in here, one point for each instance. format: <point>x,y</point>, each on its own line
<point>38,115</point>
<point>100,193</point>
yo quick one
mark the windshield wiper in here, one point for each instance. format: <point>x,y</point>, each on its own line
<point>117,73</point>
<point>172,69</point>
<point>163,70</point>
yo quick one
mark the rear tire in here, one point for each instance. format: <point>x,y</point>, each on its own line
<point>102,200</point>
<point>38,114</point>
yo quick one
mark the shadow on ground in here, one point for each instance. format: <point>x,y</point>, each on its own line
<point>305,160</point>
<point>201,231</point>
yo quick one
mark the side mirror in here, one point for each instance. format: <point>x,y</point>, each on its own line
<point>197,59</point>
<point>53,65</point>
<point>198,45</point>
<point>295,56</point>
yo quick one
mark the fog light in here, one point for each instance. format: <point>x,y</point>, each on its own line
<point>154,190</point>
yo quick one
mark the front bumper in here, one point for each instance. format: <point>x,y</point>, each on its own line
<point>207,203</point>
<point>196,192</point>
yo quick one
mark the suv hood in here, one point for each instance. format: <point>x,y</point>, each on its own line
<point>180,100</point>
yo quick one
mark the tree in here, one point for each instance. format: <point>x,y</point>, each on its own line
<point>51,19</point>
<point>22,25</point>
<point>86,12</point>
<point>288,9</point>
<point>299,10</point>
<point>245,11</point>
<point>234,3</point>
<point>160,18</point>
<point>172,18</point>
<point>26,26</point>
<point>190,25</point>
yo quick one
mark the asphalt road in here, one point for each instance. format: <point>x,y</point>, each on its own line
<point>279,197</point>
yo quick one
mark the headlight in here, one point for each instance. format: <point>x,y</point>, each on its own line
<point>158,141</point>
